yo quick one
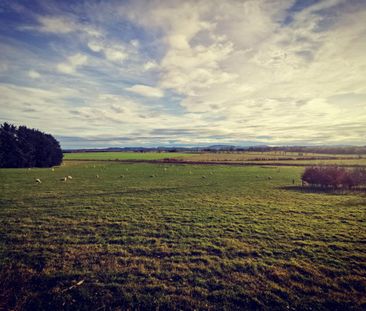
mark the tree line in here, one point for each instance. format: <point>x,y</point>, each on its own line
<point>334,177</point>
<point>24,147</point>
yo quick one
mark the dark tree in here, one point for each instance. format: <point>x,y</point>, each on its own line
<point>24,147</point>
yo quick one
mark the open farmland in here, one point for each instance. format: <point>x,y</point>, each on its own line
<point>247,158</point>
<point>123,155</point>
<point>280,158</point>
<point>163,236</point>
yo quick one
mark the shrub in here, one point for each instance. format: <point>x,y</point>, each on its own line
<point>334,177</point>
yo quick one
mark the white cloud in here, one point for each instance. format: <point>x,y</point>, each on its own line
<point>34,74</point>
<point>64,25</point>
<point>146,90</point>
<point>36,107</point>
<point>150,65</point>
<point>56,25</point>
<point>135,43</point>
<point>72,63</point>
<point>115,55</point>
<point>112,53</point>
<point>95,46</point>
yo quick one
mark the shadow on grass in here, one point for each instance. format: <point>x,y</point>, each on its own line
<point>308,189</point>
<point>22,288</point>
<point>124,192</point>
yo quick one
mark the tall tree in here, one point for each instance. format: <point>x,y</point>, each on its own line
<point>24,147</point>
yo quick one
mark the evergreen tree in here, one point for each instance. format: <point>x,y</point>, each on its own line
<point>24,147</point>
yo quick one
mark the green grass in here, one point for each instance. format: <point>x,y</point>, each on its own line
<point>148,236</point>
<point>123,155</point>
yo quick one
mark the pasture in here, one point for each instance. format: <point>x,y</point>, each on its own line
<point>281,158</point>
<point>123,155</point>
<point>164,236</point>
<point>250,158</point>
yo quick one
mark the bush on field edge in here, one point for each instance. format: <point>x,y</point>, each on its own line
<point>334,177</point>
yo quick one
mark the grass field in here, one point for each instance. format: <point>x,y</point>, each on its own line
<point>280,158</point>
<point>123,155</point>
<point>154,236</point>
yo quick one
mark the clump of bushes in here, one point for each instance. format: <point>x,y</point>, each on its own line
<point>334,177</point>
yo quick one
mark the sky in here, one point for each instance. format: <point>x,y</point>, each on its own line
<point>185,73</point>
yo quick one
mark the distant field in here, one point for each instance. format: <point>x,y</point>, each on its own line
<point>288,158</point>
<point>154,236</point>
<point>280,157</point>
<point>123,155</point>
<point>339,161</point>
<point>242,156</point>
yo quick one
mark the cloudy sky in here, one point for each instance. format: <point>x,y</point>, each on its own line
<point>153,73</point>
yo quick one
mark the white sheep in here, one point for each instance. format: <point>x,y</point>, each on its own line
<point>38,181</point>
<point>69,177</point>
<point>97,176</point>
<point>269,177</point>
<point>52,169</point>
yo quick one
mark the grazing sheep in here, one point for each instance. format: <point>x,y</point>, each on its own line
<point>38,181</point>
<point>52,169</point>
<point>269,177</point>
<point>69,177</point>
<point>97,176</point>
<point>204,177</point>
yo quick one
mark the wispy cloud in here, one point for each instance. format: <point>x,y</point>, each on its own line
<point>34,74</point>
<point>72,63</point>
<point>150,65</point>
<point>62,25</point>
<point>146,90</point>
<point>113,54</point>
